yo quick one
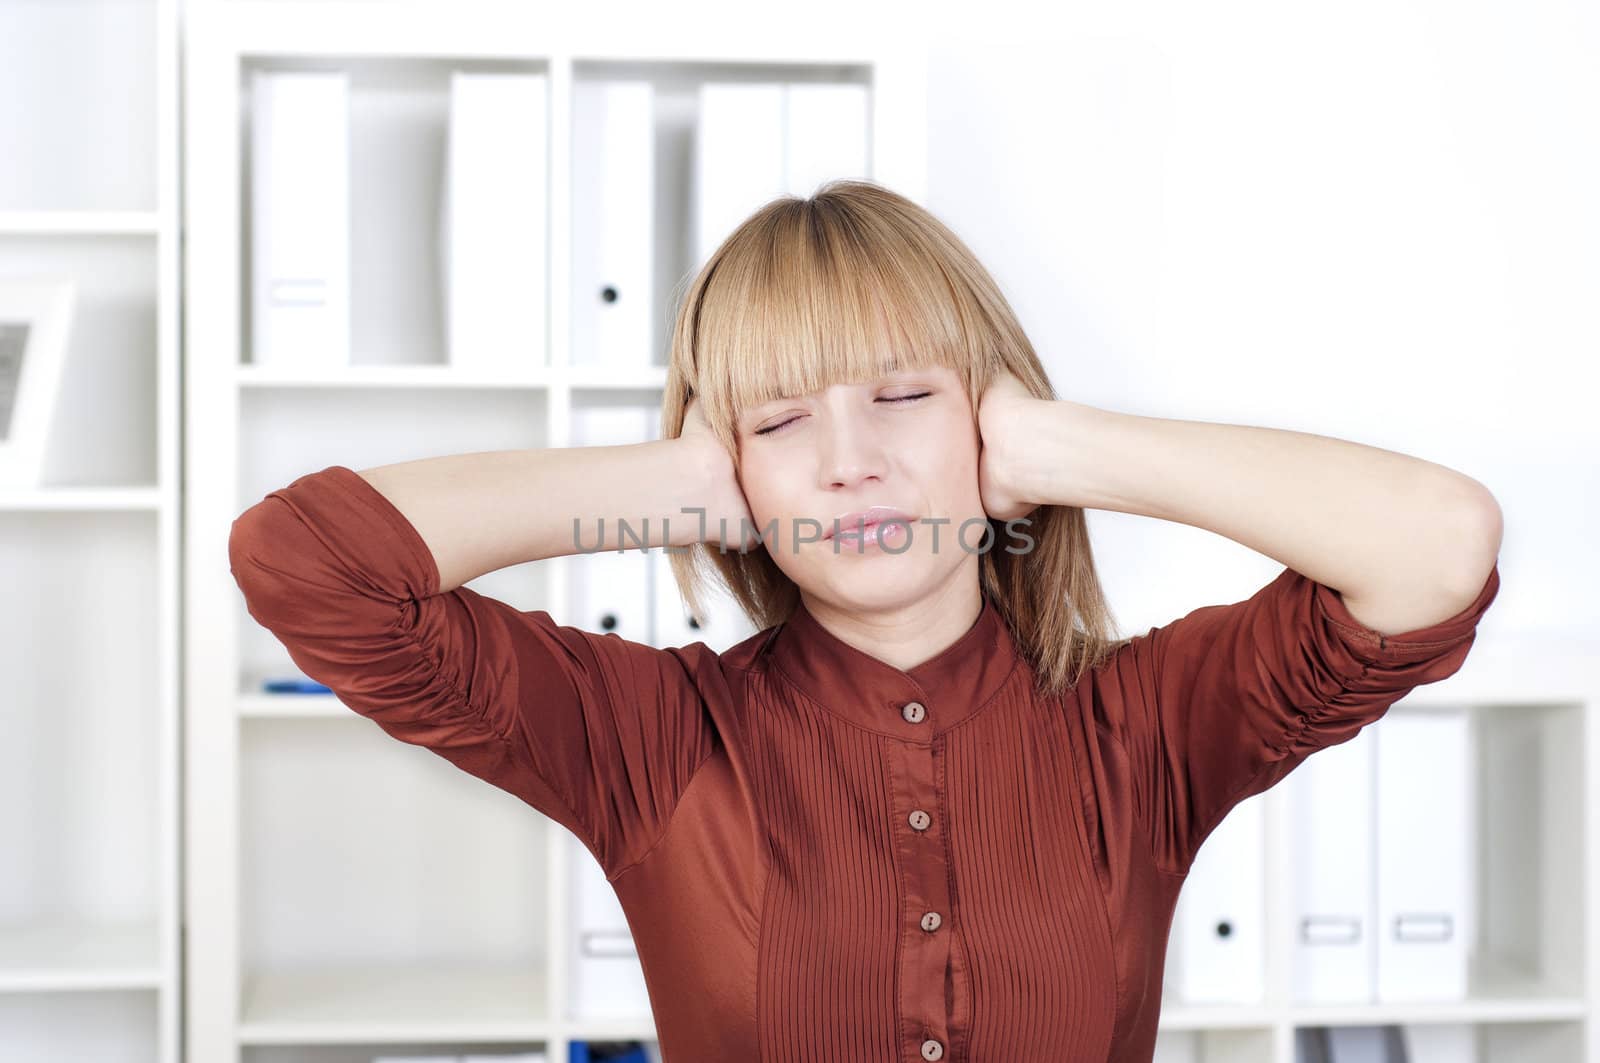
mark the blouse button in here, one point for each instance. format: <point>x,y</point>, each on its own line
<point>932,1049</point>
<point>930,921</point>
<point>919,820</point>
<point>914,712</point>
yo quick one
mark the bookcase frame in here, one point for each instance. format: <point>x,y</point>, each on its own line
<point>102,757</point>
<point>235,1013</point>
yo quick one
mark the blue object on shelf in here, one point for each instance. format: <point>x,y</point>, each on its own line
<point>606,1052</point>
<point>294,686</point>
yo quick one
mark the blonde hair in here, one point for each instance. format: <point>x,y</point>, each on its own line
<point>807,293</point>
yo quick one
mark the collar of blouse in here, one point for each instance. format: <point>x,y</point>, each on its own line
<point>949,687</point>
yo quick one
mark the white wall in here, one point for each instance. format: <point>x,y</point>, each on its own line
<point>1372,220</point>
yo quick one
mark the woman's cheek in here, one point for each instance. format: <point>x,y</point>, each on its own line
<point>761,497</point>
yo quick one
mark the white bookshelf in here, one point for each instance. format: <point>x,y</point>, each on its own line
<point>349,894</point>
<point>90,928</point>
<point>1532,702</point>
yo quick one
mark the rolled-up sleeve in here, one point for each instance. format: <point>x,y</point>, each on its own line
<point>1222,703</point>
<point>599,733</point>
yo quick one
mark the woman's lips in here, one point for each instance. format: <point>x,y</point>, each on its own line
<point>890,531</point>
<point>857,519</point>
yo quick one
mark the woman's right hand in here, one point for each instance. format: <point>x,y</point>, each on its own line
<point>727,518</point>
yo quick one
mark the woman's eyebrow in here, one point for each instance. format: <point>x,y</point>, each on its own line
<point>887,373</point>
<point>755,411</point>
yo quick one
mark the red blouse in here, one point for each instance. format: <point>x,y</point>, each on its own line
<point>823,857</point>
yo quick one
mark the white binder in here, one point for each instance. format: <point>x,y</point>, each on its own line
<point>610,590</point>
<point>1424,871</point>
<point>493,236</point>
<point>1217,946</point>
<point>300,219</point>
<point>739,163</point>
<point>756,142</point>
<point>607,978</point>
<point>1330,809</point>
<point>613,208</point>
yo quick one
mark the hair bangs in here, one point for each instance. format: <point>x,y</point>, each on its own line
<point>808,295</point>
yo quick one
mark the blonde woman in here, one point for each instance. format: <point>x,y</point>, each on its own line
<point>933,809</point>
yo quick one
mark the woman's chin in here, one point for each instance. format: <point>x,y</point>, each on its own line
<point>890,581</point>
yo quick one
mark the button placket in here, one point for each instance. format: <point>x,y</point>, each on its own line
<point>921,855</point>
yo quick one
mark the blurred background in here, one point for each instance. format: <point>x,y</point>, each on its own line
<point>242,240</point>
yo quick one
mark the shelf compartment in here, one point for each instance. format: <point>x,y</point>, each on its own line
<point>385,893</point>
<point>399,122</point>
<point>103,432</point>
<point>1524,950</point>
<point>82,761</point>
<point>94,147</point>
<point>285,434</point>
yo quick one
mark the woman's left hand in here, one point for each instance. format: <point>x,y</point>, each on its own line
<point>999,408</point>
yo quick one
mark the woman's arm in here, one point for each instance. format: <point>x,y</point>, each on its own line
<point>601,733</point>
<point>1406,542</point>
<point>1389,566</point>
<point>486,511</point>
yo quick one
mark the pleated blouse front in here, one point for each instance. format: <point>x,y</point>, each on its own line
<point>823,857</point>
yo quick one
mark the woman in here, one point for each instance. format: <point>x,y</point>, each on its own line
<point>932,810</point>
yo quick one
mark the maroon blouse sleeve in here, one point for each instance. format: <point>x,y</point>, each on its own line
<point>595,731</point>
<point>1225,701</point>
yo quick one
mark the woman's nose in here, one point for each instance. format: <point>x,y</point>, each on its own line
<point>849,452</point>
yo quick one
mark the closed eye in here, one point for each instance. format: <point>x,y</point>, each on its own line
<point>892,399</point>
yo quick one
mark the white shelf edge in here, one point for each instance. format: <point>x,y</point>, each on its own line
<point>345,30</point>
<point>255,706</point>
<point>382,1005</point>
<point>80,222</point>
<point>81,956</point>
<point>1184,1017</point>
<point>640,1029</point>
<point>132,979</point>
<point>597,378</point>
<point>80,499</point>
<point>1475,1012</point>
<point>258,1034</point>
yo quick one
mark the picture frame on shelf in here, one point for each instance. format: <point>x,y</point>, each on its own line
<point>35,321</point>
